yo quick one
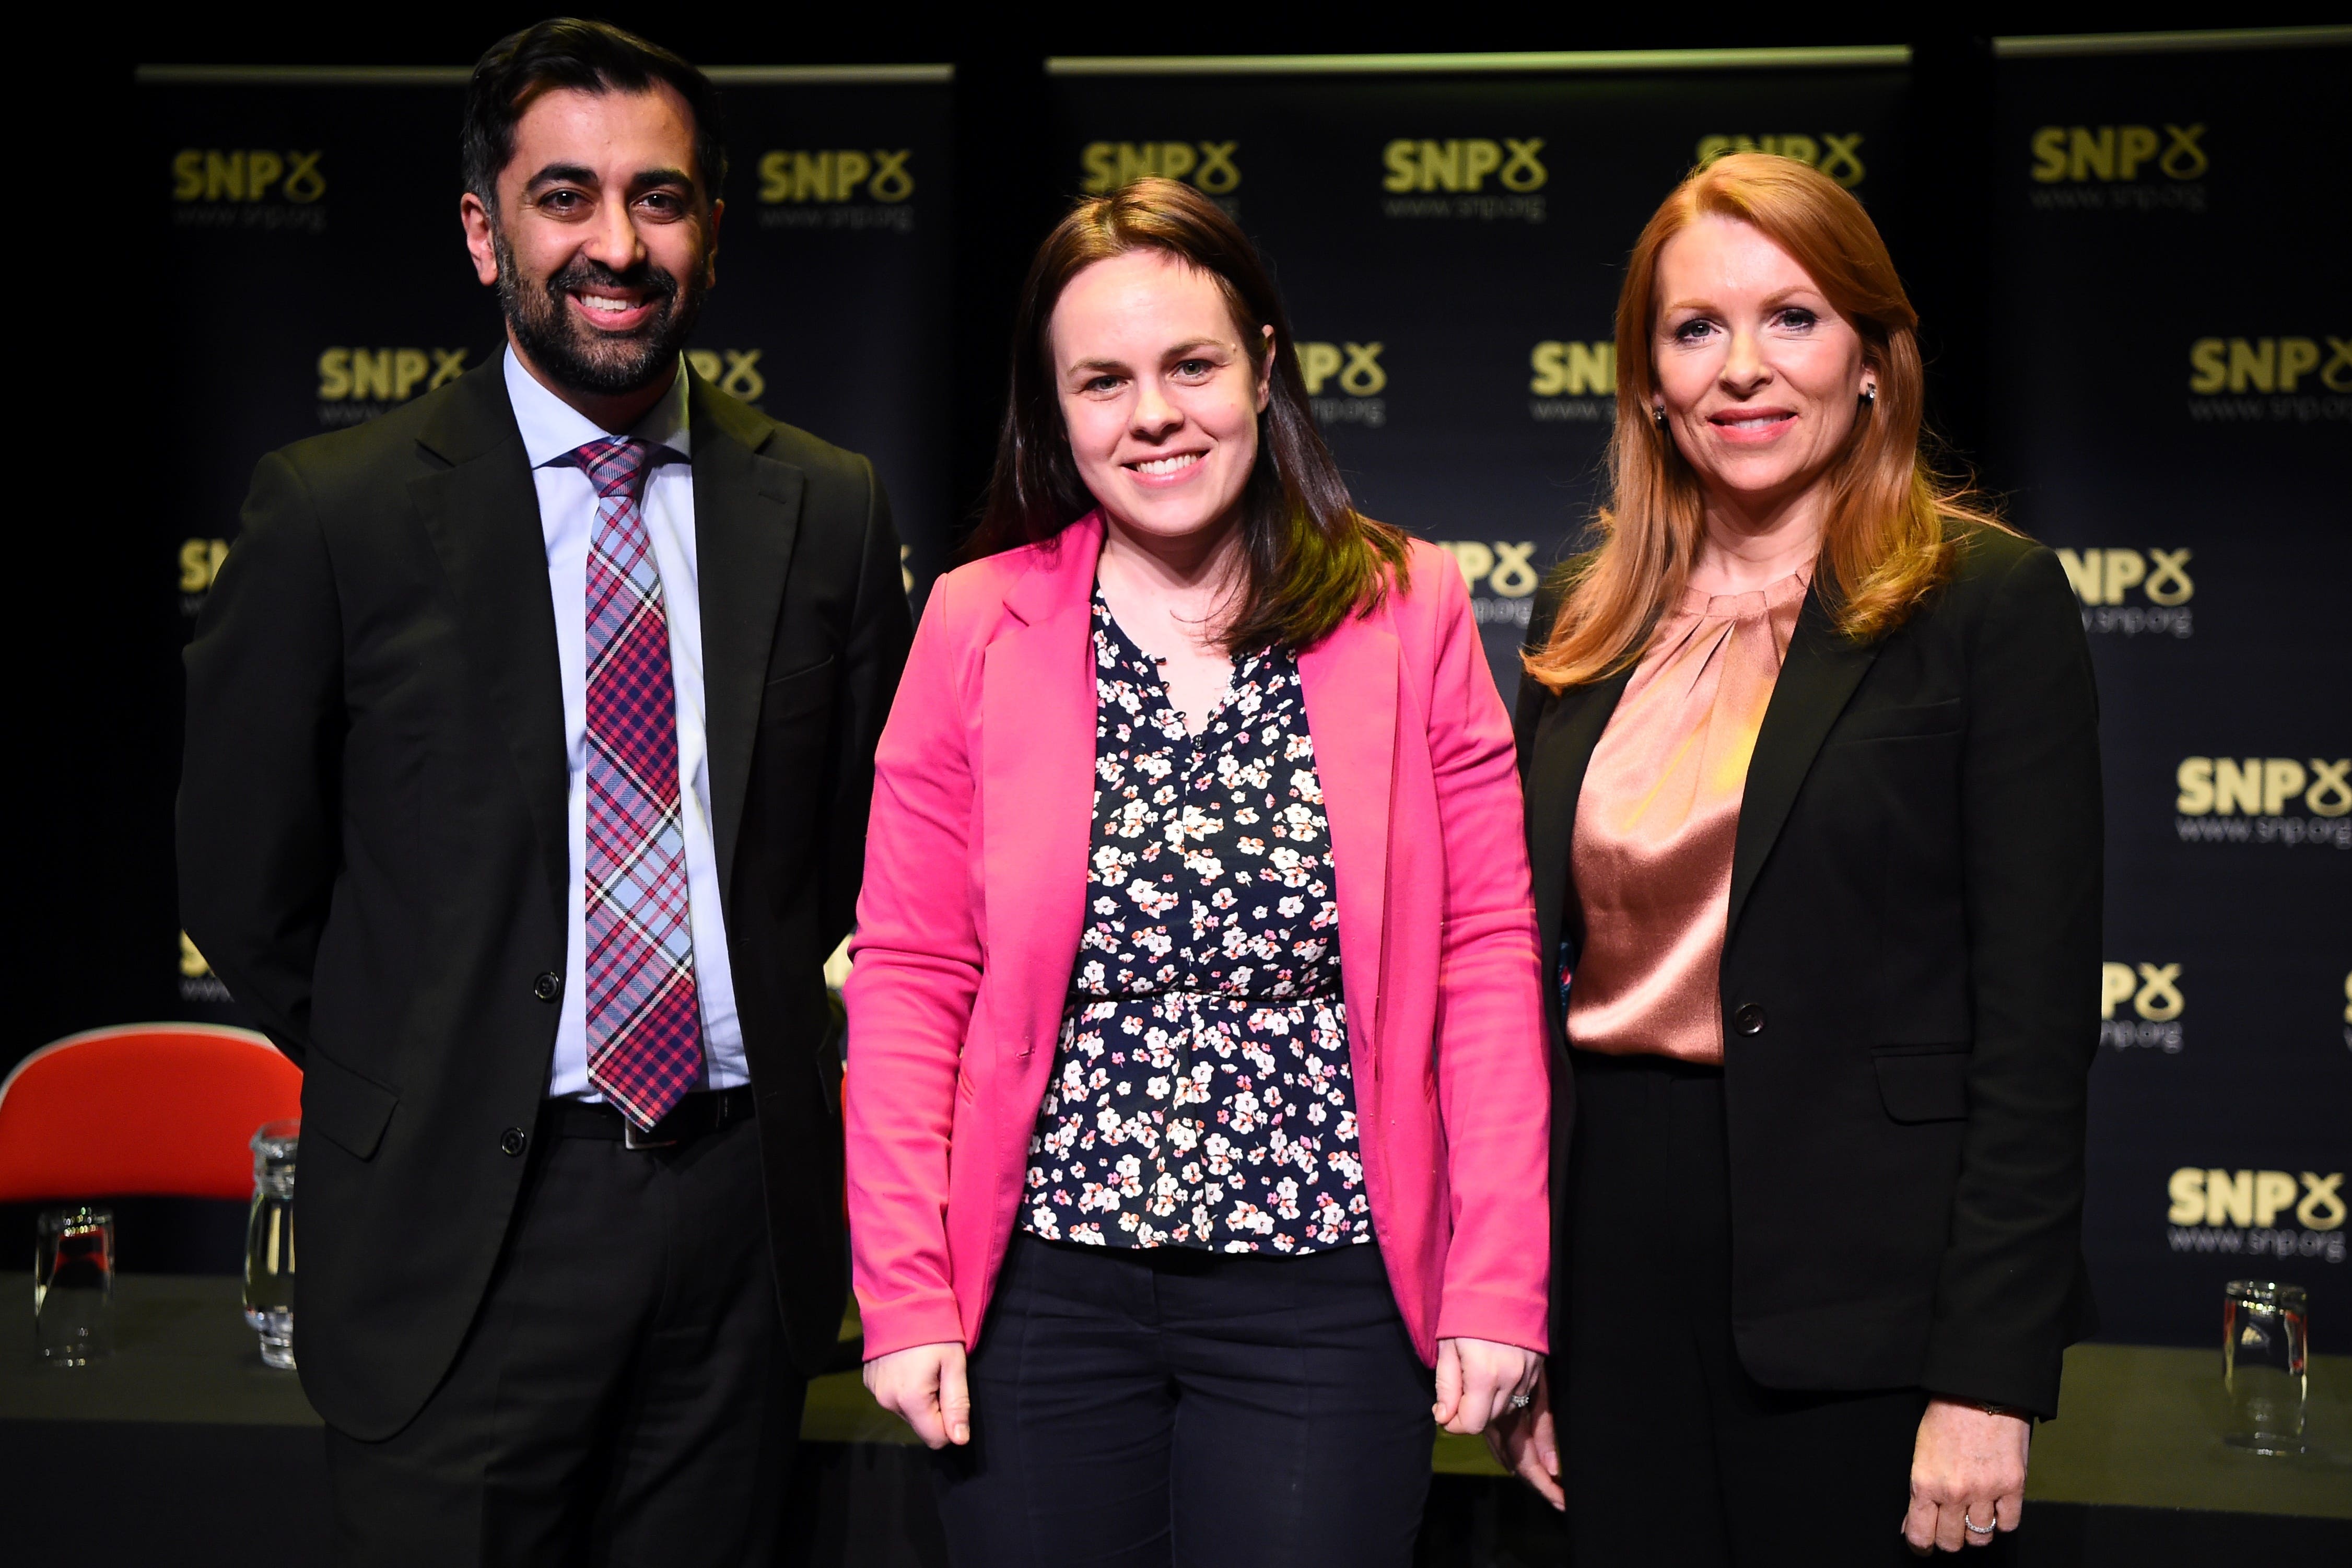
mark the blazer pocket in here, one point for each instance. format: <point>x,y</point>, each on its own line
<point>1925,1085</point>
<point>1901,723</point>
<point>346,1109</point>
<point>794,696</point>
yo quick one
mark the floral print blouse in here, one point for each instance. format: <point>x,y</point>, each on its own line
<point>1202,1095</point>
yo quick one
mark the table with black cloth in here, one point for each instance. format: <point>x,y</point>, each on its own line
<point>182,1448</point>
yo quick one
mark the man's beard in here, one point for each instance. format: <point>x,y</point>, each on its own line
<point>579,356</point>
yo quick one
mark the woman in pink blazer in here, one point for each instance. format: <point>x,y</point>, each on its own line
<point>1197,1099</point>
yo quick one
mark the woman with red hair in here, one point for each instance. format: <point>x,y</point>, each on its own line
<point>1812,760</point>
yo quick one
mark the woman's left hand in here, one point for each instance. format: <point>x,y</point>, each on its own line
<point>1968,1477</point>
<point>1477,1379</point>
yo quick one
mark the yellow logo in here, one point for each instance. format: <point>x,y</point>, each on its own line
<point>2263,786</point>
<point>1207,166</point>
<point>1574,370</point>
<point>2116,153</point>
<point>192,963</point>
<point>2105,576</point>
<point>2216,1197</point>
<point>2152,989</point>
<point>200,563</point>
<point>737,376</point>
<point>2267,364</point>
<point>1464,164</point>
<point>837,174</point>
<point>1357,367</point>
<point>247,174</point>
<point>1504,569</point>
<point>1838,157</point>
<point>385,376</point>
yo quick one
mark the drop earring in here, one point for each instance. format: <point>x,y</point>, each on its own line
<point>1658,416</point>
<point>1870,397</point>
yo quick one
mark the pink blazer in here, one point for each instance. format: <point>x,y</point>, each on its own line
<point>975,896</point>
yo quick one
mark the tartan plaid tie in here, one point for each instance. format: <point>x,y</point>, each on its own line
<point>645,1022</point>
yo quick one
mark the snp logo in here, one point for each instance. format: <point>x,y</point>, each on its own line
<point>737,374</point>
<point>1207,166</point>
<point>1356,366</point>
<point>1577,369</point>
<point>1353,369</point>
<point>2105,576</point>
<point>2104,579</point>
<point>355,385</point>
<point>1574,383</point>
<point>2267,364</point>
<point>200,562</point>
<point>1838,157</point>
<point>2109,153</point>
<point>247,174</point>
<point>837,187</point>
<point>2244,1211</point>
<point>1464,164</point>
<point>837,174</point>
<point>1506,569</point>
<point>2152,994</point>
<point>2264,800</point>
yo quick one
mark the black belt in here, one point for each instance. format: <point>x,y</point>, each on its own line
<point>689,1119</point>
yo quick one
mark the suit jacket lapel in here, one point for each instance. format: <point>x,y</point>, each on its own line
<point>1817,677</point>
<point>746,514</point>
<point>482,513</point>
<point>1036,778</point>
<point>1350,684</point>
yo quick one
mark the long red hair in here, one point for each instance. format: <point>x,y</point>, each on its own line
<point>1886,542</point>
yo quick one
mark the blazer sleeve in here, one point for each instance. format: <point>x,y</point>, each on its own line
<point>1493,1071</point>
<point>2031,857</point>
<point>916,971</point>
<point>259,806</point>
<point>871,664</point>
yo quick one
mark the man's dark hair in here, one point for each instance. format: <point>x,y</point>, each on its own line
<point>591,56</point>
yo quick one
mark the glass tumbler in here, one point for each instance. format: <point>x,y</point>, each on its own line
<point>2265,1328</point>
<point>73,1285</point>
<point>270,1243</point>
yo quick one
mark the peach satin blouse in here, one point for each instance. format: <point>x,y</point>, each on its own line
<point>1657,819</point>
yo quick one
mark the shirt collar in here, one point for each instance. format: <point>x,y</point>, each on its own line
<point>553,429</point>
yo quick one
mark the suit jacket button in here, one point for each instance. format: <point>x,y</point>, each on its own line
<point>513,1141</point>
<point>1749,1018</point>
<point>547,986</point>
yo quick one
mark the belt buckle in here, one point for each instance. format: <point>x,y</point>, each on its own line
<point>632,1139</point>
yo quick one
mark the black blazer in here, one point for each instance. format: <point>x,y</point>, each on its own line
<point>1910,986</point>
<point>373,848</point>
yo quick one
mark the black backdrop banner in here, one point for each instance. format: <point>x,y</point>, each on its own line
<point>2171,351</point>
<point>2173,355</point>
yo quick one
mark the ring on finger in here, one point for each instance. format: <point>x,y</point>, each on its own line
<point>1521,1401</point>
<point>1975,1529</point>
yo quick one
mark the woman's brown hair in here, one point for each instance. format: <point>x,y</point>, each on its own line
<point>1312,559</point>
<point>1886,544</point>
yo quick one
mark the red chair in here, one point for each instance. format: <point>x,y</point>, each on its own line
<point>142,1109</point>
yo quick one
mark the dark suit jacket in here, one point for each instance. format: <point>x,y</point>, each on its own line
<point>1910,986</point>
<point>373,848</point>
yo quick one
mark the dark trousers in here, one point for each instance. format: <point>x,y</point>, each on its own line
<point>1167,1406</point>
<point>1672,1454</point>
<point>622,1397</point>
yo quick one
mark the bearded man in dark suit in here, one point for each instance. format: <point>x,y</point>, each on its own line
<point>530,744</point>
